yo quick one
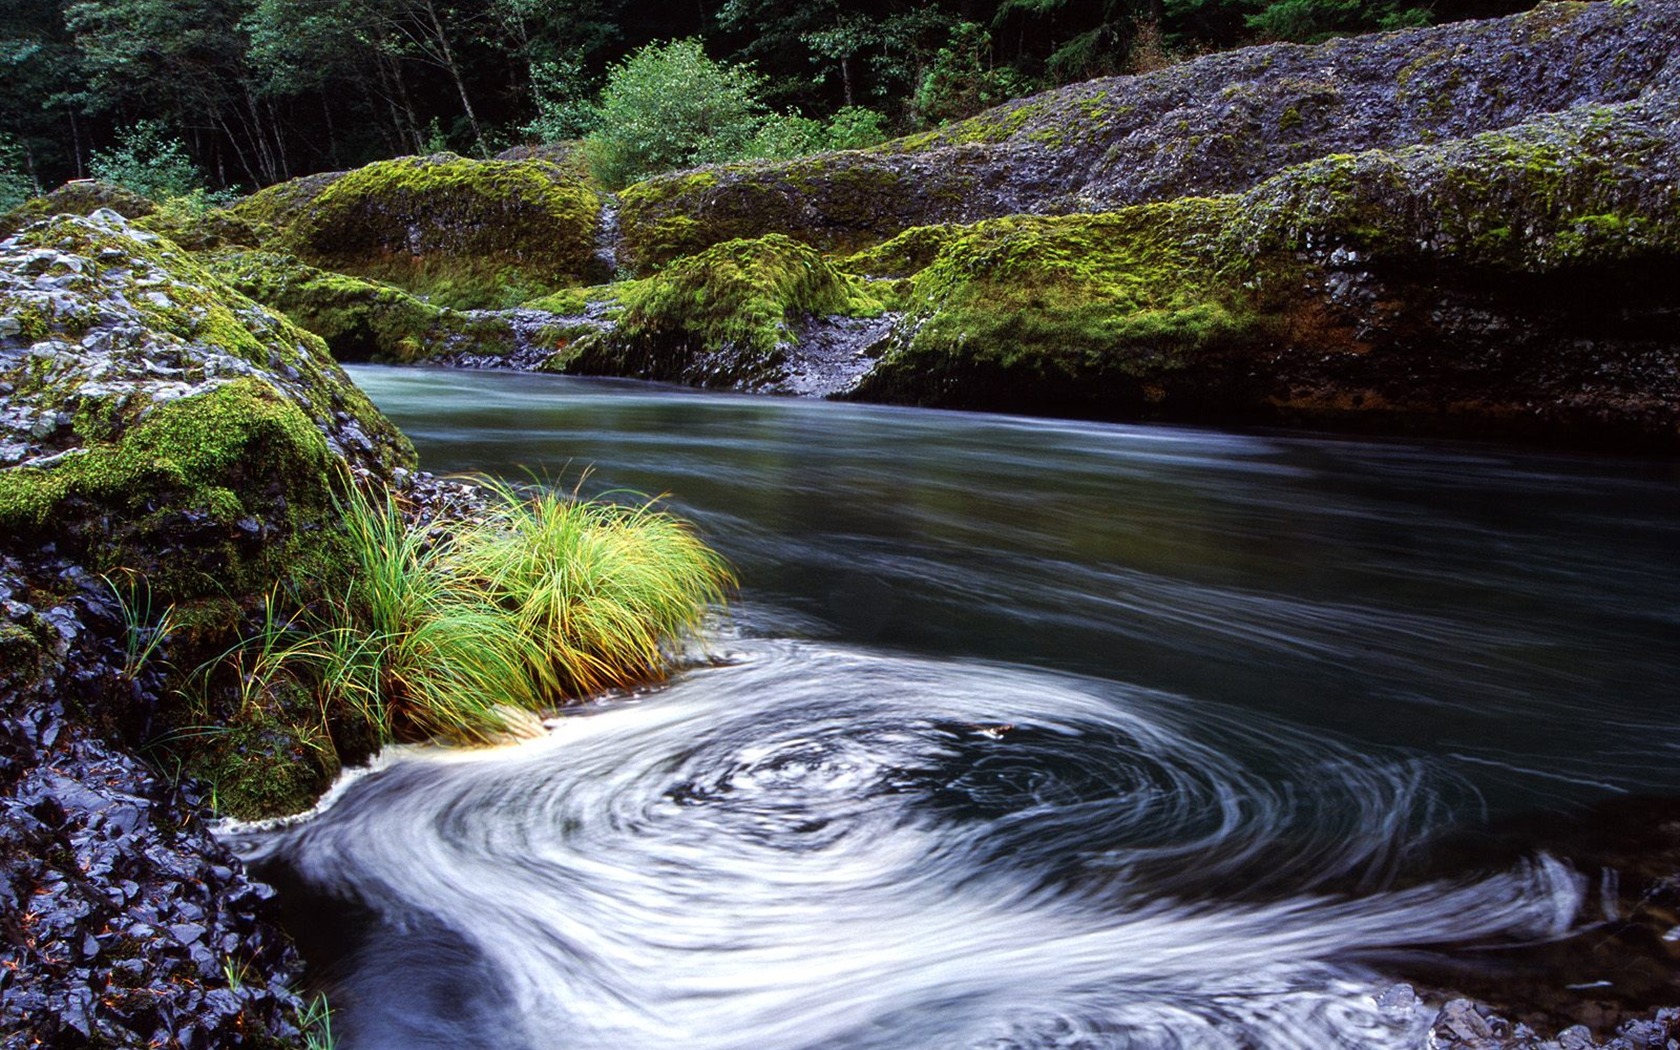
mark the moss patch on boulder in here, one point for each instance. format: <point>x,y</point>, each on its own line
<point>1570,190</point>
<point>1075,313</point>
<point>361,320</point>
<point>833,202</point>
<point>463,233</point>
<point>723,317</point>
<point>80,197</point>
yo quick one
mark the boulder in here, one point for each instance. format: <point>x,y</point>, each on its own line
<point>1215,125</point>
<point>464,233</point>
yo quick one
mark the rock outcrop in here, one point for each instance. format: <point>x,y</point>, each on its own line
<point>1216,125</point>
<point>465,233</point>
<point>169,453</point>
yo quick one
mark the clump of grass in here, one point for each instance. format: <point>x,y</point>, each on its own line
<point>601,588</point>
<point>462,634</point>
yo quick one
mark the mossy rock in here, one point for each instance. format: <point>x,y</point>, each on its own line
<point>361,320</point>
<point>722,318</point>
<point>1090,314</point>
<point>1215,125</point>
<point>1567,191</point>
<point>158,421</point>
<point>832,201</point>
<point>463,233</point>
<point>79,197</point>
<point>1518,283</point>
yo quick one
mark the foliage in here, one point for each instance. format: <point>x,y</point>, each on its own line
<point>150,161</point>
<point>560,89</point>
<point>963,79</point>
<point>462,634</point>
<point>1309,21</point>
<point>16,184</point>
<point>788,135</point>
<point>669,106</point>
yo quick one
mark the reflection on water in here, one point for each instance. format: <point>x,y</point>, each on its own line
<point>1098,736</point>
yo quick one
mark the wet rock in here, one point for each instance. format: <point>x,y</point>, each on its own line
<point>1465,1025</point>
<point>123,922</point>
<point>79,197</point>
<point>1214,125</point>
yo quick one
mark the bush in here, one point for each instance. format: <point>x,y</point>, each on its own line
<point>962,81</point>
<point>854,127</point>
<point>16,185</point>
<point>669,106</point>
<point>152,163</point>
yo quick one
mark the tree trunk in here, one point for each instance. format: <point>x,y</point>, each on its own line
<point>450,64</point>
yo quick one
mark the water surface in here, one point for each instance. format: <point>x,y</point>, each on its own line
<point>1023,733</point>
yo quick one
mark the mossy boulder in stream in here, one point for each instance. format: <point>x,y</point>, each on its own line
<point>1518,282</point>
<point>464,233</point>
<point>1218,124</point>
<point>727,317</point>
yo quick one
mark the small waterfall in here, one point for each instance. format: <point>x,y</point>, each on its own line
<point>603,265</point>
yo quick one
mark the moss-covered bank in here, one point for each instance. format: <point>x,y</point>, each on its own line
<point>464,233</point>
<point>724,317</point>
<point>1512,282</point>
<point>1219,124</point>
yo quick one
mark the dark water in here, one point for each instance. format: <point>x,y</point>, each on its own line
<point>1027,733</point>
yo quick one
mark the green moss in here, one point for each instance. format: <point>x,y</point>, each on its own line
<point>213,464</point>
<point>271,758</point>
<point>360,319</point>
<point>1087,306</point>
<point>734,306</point>
<point>1564,190</point>
<point>904,255</point>
<point>465,233</point>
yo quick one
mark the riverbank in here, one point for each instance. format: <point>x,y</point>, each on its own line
<point>1467,231</point>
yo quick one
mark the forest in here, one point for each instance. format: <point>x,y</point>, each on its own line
<point>232,95</point>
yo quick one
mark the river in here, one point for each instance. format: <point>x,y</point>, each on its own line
<point>1020,733</point>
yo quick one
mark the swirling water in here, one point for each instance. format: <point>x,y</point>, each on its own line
<point>1024,733</point>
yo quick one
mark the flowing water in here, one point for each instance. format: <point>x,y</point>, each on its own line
<point>1022,733</point>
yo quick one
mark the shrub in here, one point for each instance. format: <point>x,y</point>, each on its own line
<point>1310,21</point>
<point>16,185</point>
<point>669,106</point>
<point>962,80</point>
<point>855,127</point>
<point>152,163</point>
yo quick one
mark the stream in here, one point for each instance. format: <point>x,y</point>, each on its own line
<point>1021,733</point>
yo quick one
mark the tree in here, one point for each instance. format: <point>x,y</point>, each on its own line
<point>182,62</point>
